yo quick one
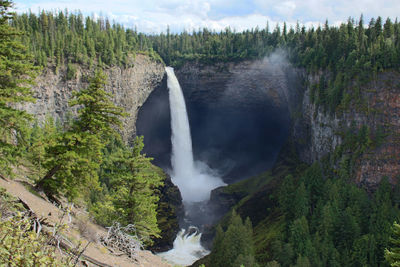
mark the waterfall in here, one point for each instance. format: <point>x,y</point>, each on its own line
<point>187,249</point>
<point>195,180</point>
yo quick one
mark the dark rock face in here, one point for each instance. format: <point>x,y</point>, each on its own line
<point>237,112</point>
<point>169,209</point>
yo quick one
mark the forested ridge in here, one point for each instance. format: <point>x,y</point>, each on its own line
<point>72,161</point>
<point>354,51</point>
<point>317,216</point>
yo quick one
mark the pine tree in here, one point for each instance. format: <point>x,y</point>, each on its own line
<point>234,247</point>
<point>17,74</point>
<point>98,114</point>
<point>133,185</point>
<point>392,255</point>
<point>74,160</point>
<point>135,195</point>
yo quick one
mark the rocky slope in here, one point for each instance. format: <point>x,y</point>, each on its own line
<point>79,230</point>
<point>377,107</point>
<point>130,87</point>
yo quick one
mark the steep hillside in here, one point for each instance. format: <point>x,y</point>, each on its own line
<point>373,106</point>
<point>130,86</point>
<point>72,226</point>
<point>354,157</point>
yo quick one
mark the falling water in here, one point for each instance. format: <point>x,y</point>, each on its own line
<point>194,179</point>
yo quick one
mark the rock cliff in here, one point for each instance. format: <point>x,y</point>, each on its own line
<point>238,84</point>
<point>377,107</point>
<point>237,112</point>
<point>130,87</point>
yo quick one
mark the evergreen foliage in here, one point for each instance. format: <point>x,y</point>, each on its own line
<point>131,182</point>
<point>329,221</point>
<point>72,162</point>
<point>17,74</point>
<point>234,247</point>
<point>392,255</point>
<point>64,37</point>
<point>325,219</point>
<point>342,58</point>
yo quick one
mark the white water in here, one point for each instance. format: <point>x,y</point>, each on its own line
<point>187,249</point>
<point>194,180</point>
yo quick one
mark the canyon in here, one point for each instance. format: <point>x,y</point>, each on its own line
<point>242,115</point>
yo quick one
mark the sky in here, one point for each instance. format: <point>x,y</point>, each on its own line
<point>154,16</point>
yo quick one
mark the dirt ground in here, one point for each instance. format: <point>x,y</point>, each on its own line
<point>80,229</point>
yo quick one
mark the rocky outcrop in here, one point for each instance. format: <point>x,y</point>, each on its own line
<point>317,132</point>
<point>170,209</point>
<point>238,84</point>
<point>130,87</point>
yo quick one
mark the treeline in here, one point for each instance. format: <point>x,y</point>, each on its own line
<point>66,37</point>
<point>342,58</point>
<point>82,159</point>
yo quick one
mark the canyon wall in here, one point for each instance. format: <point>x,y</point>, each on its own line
<point>317,132</point>
<point>130,87</point>
<point>238,115</point>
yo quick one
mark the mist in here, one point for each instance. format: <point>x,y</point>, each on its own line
<point>195,181</point>
<point>238,119</point>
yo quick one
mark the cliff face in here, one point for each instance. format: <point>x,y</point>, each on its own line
<point>237,112</point>
<point>273,82</point>
<point>378,108</point>
<point>130,88</point>
<point>238,84</point>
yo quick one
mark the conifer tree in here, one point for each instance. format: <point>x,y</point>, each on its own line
<point>75,159</point>
<point>133,185</point>
<point>234,247</point>
<point>392,255</point>
<point>17,74</point>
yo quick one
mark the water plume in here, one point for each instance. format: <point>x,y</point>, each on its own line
<point>195,180</point>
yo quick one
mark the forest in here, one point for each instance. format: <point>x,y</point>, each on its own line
<point>318,215</point>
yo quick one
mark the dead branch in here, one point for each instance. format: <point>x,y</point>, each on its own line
<point>123,239</point>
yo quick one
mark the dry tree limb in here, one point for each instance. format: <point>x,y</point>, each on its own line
<point>120,238</point>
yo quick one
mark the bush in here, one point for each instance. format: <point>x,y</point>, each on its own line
<point>71,71</point>
<point>20,246</point>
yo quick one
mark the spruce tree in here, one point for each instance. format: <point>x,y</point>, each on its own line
<point>17,74</point>
<point>392,255</point>
<point>235,247</point>
<point>74,160</point>
<point>133,182</point>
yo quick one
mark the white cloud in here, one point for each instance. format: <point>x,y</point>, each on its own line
<point>153,16</point>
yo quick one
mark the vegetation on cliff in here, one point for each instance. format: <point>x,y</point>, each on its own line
<point>68,160</point>
<point>318,216</point>
<point>305,216</point>
<point>392,255</point>
<point>345,56</point>
<point>86,158</point>
<point>17,73</point>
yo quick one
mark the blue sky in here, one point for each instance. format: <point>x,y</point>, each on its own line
<point>153,16</point>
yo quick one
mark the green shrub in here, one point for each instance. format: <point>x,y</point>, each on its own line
<point>20,246</point>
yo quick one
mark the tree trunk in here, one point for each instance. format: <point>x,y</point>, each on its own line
<point>41,183</point>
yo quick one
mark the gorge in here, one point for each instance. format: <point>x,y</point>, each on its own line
<point>279,147</point>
